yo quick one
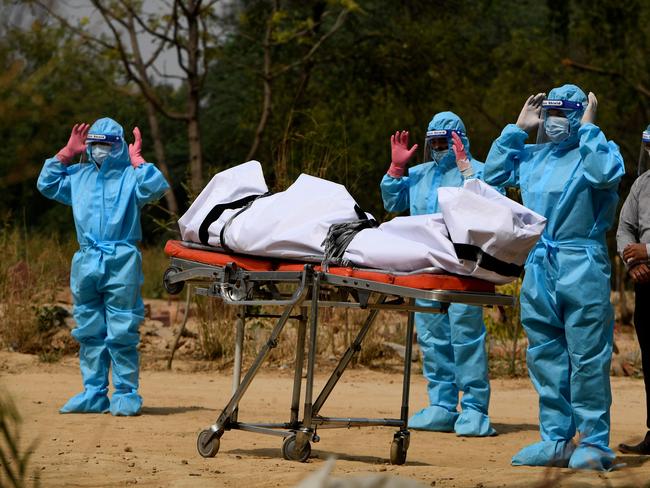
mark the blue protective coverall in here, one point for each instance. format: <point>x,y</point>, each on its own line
<point>565,306</point>
<point>106,273</point>
<point>452,344</point>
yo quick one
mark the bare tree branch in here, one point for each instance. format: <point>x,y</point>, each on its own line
<point>160,74</point>
<point>266,103</point>
<point>177,40</point>
<point>78,31</point>
<point>638,86</point>
<point>138,78</point>
<point>160,35</point>
<point>337,25</point>
<point>208,6</point>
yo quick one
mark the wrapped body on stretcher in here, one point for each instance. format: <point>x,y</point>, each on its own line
<point>292,250</point>
<point>479,232</point>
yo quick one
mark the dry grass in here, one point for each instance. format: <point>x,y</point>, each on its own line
<point>31,272</point>
<point>154,264</point>
<point>337,329</point>
<point>35,269</point>
<point>34,272</point>
<point>34,279</point>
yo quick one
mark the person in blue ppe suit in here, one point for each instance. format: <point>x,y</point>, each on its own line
<point>107,191</point>
<point>566,312</point>
<point>452,344</point>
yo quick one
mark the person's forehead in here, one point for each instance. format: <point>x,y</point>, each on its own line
<point>556,112</point>
<point>439,141</point>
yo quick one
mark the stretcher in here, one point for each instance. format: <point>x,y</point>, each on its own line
<point>301,289</point>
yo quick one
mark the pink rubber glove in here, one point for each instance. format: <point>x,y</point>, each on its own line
<point>135,149</point>
<point>400,153</point>
<point>76,144</point>
<point>462,161</point>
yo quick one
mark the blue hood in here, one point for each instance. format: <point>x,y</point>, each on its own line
<point>573,94</point>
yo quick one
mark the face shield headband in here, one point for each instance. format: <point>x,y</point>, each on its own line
<point>90,138</point>
<point>561,105</point>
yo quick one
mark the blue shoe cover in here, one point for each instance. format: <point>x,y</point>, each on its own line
<point>126,404</point>
<point>88,401</point>
<point>472,423</point>
<point>545,453</point>
<point>435,418</point>
<point>598,458</point>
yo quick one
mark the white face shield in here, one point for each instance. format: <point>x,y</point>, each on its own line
<point>644,153</point>
<point>103,146</point>
<point>437,144</point>
<point>553,123</point>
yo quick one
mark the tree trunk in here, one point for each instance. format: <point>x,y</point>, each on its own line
<point>194,85</point>
<point>196,163</point>
<point>161,160</point>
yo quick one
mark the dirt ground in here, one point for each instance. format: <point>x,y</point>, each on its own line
<point>158,447</point>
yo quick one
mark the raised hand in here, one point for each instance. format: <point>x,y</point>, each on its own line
<point>135,149</point>
<point>76,143</point>
<point>462,161</point>
<point>529,117</point>
<point>589,117</point>
<point>400,153</point>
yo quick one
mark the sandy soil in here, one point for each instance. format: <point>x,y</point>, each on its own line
<point>158,448</point>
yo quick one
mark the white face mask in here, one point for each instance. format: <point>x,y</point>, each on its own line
<point>557,128</point>
<point>100,153</point>
<point>438,155</point>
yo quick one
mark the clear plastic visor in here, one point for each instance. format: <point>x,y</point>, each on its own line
<point>438,140</point>
<point>644,157</point>
<point>557,108</point>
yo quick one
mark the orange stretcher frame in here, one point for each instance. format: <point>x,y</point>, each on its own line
<point>422,281</point>
<point>301,289</point>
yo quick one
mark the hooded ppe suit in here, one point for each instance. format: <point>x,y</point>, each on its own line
<point>565,306</point>
<point>106,273</point>
<point>452,344</point>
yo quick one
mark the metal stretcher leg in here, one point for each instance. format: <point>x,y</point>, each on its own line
<point>297,446</point>
<point>240,325</point>
<point>297,378</point>
<point>401,439</point>
<point>208,440</point>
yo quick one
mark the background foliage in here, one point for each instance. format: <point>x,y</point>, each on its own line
<point>392,65</point>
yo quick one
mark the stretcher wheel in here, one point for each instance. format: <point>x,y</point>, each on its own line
<point>290,452</point>
<point>172,288</point>
<point>398,450</point>
<point>207,444</point>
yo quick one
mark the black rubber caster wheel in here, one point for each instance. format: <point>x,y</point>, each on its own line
<point>398,450</point>
<point>290,453</point>
<point>207,444</point>
<point>172,288</point>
